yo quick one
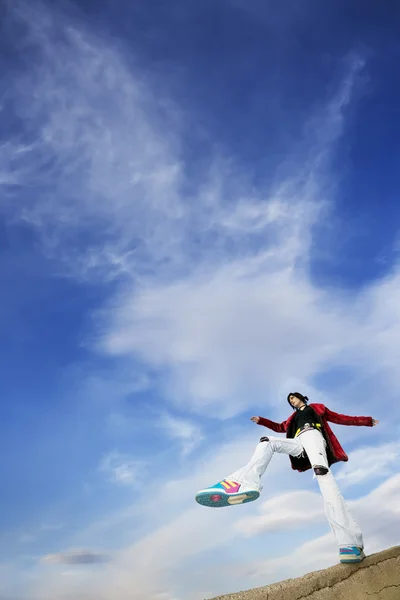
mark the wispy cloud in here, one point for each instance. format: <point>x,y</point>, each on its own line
<point>122,468</point>
<point>185,431</point>
<point>100,159</point>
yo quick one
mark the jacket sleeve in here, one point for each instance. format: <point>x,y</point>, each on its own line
<point>277,427</point>
<point>347,420</point>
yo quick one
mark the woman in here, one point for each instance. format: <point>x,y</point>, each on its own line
<point>310,444</point>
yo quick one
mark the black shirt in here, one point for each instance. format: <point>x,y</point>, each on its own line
<point>307,415</point>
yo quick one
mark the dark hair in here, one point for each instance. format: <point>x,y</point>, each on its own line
<point>299,396</point>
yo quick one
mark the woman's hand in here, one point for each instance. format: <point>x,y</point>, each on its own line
<point>374,422</point>
<point>255,419</point>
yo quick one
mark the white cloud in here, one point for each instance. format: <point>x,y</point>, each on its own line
<point>231,335</point>
<point>122,468</point>
<point>379,514</point>
<point>293,510</point>
<point>243,330</point>
<point>187,432</point>
<point>369,462</point>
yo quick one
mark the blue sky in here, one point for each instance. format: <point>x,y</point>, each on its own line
<point>198,214</point>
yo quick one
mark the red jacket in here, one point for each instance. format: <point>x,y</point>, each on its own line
<point>334,450</point>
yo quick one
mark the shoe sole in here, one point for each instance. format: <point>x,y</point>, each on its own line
<point>208,498</point>
<point>348,560</point>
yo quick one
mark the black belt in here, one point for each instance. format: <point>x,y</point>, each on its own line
<point>307,427</point>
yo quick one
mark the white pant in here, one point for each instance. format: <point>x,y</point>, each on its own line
<point>341,521</point>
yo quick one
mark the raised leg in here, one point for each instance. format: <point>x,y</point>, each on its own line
<point>252,473</point>
<point>244,485</point>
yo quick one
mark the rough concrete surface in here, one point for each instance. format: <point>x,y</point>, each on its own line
<point>376,578</point>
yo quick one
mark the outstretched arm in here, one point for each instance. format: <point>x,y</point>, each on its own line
<point>347,420</point>
<point>277,427</point>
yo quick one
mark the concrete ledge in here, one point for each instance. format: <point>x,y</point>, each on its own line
<point>376,578</point>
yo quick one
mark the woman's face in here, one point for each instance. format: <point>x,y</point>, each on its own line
<point>295,402</point>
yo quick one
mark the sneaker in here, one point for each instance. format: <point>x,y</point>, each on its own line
<point>226,493</point>
<point>351,554</point>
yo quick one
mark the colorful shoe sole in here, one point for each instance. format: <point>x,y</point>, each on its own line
<point>216,498</point>
<point>351,557</point>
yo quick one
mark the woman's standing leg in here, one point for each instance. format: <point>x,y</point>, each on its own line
<point>342,522</point>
